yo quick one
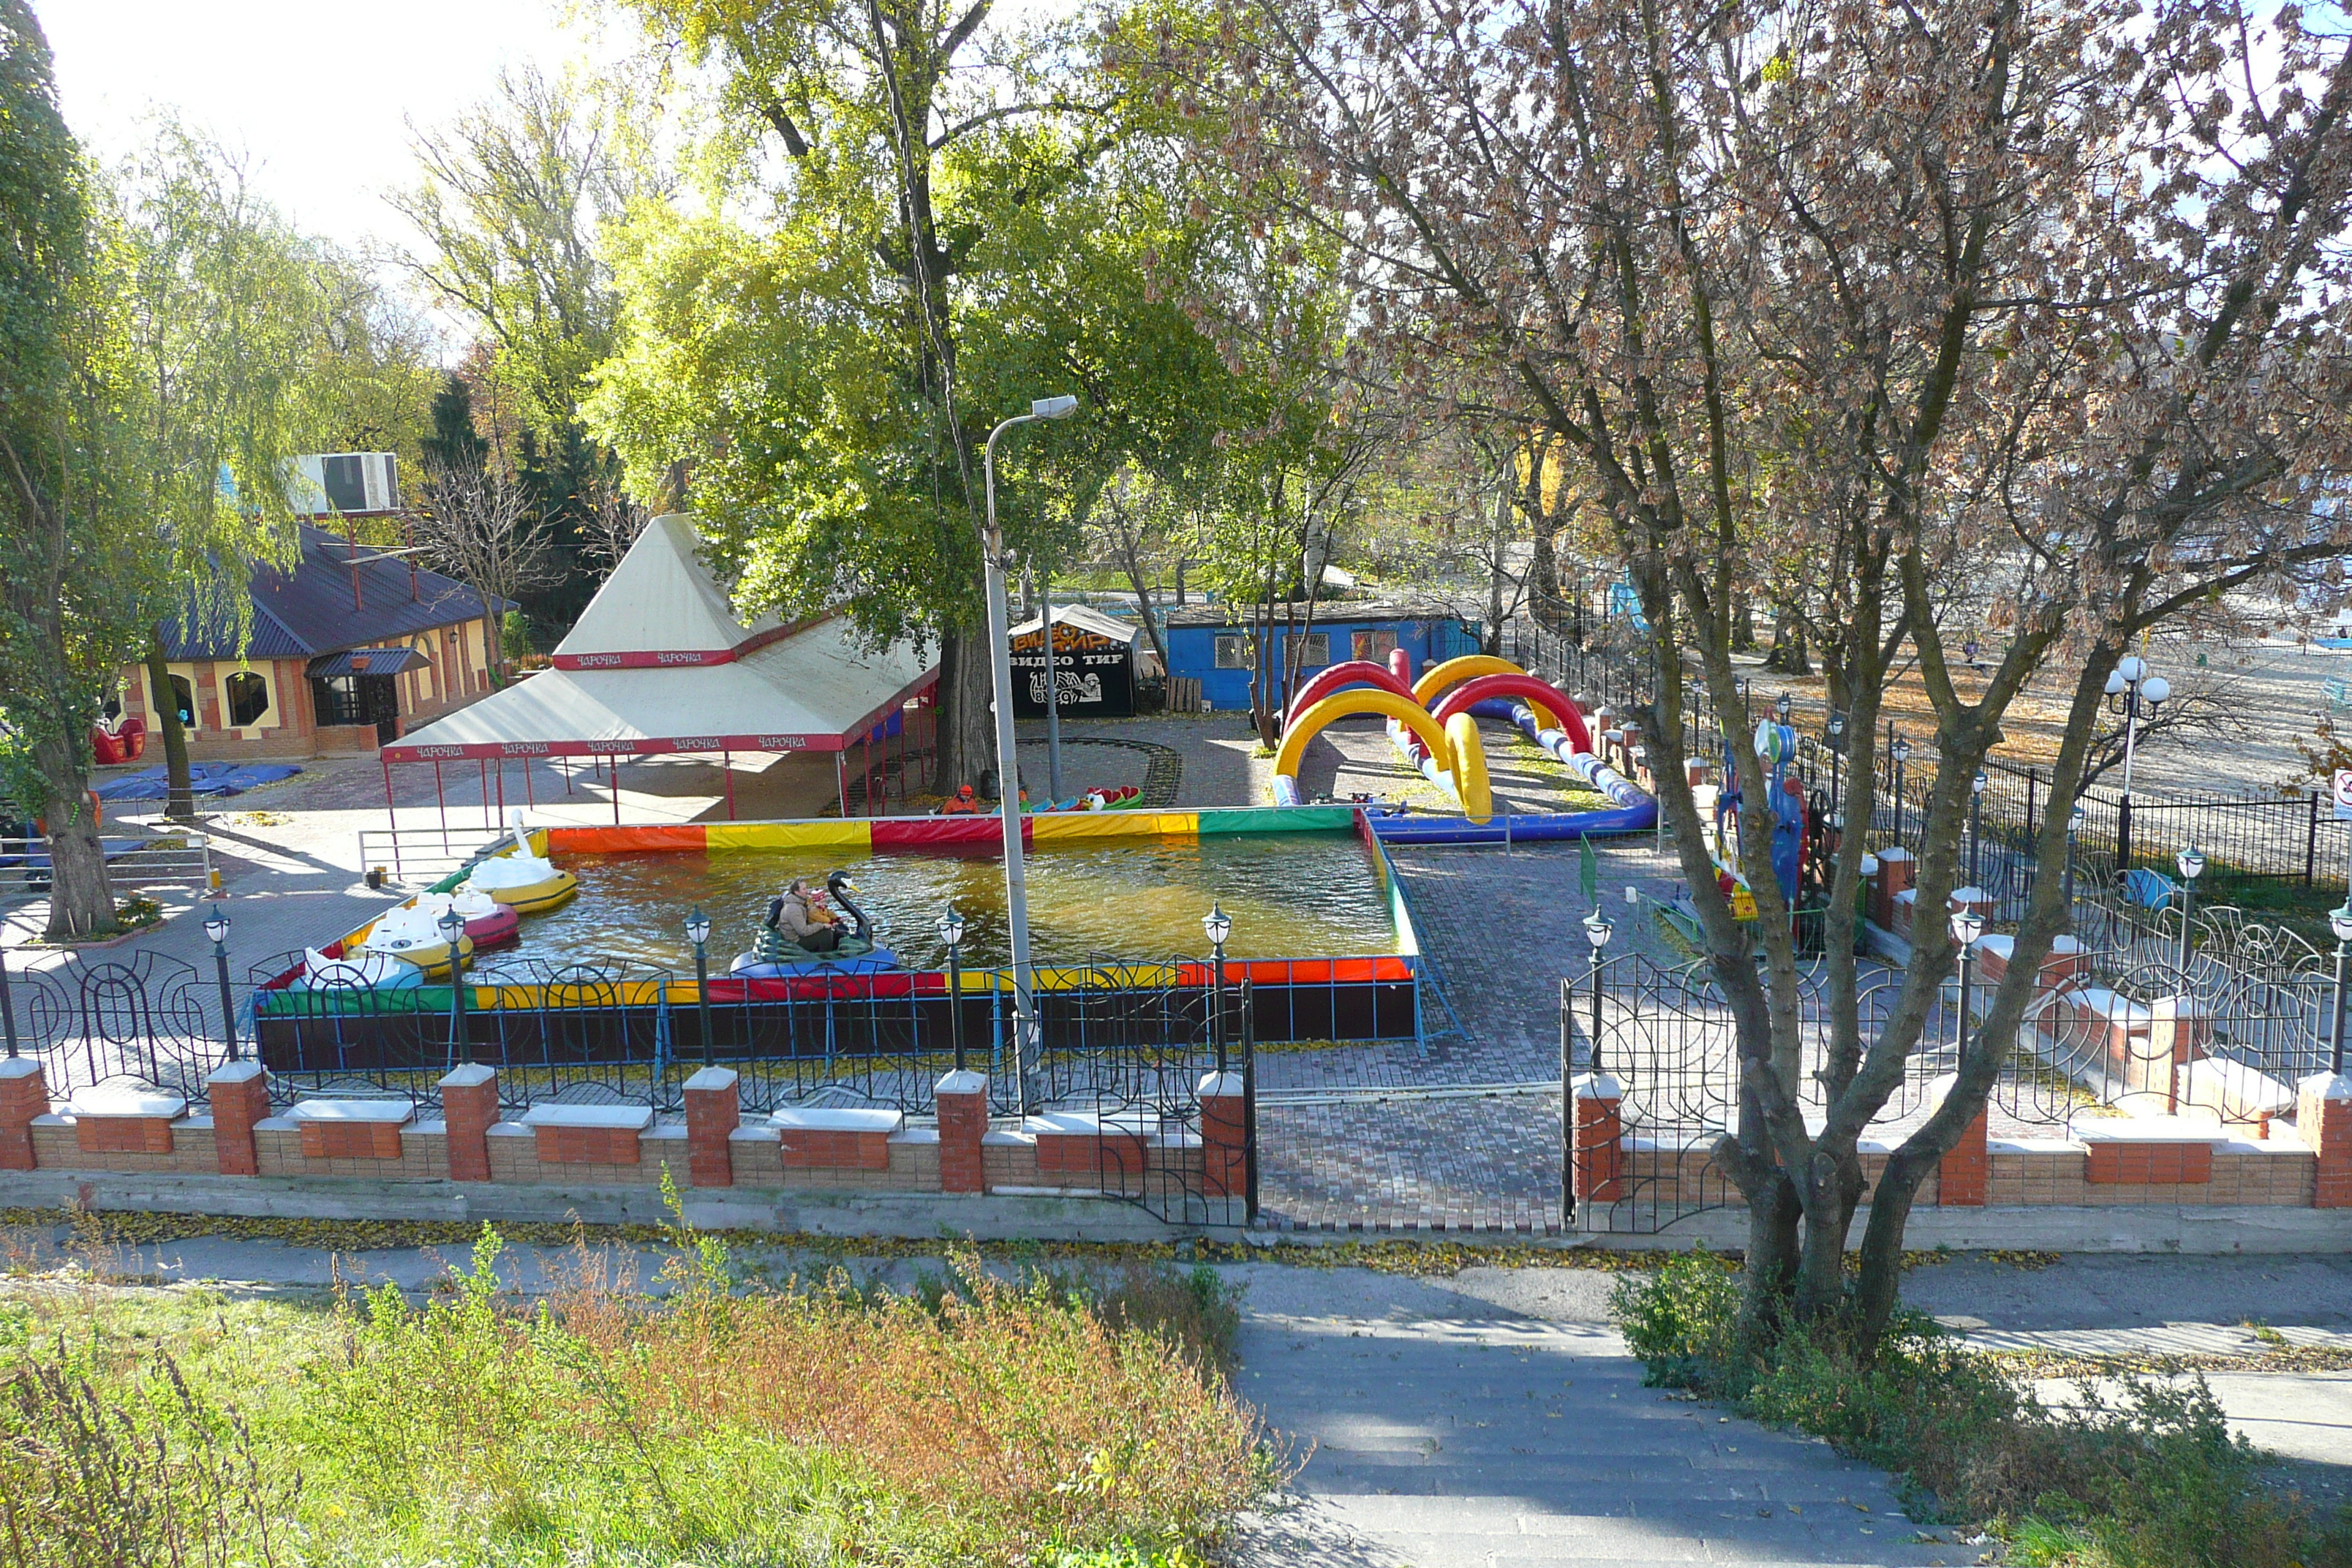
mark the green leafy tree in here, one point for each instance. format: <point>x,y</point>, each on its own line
<point>71,582</point>
<point>225,322</point>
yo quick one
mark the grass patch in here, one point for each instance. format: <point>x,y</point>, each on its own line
<point>1078,1417</point>
<point>2149,1478</point>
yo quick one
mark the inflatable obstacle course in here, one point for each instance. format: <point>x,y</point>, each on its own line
<point>1433,722</point>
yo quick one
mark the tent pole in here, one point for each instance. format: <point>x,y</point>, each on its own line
<point>841,778</point>
<point>727,766</point>
<point>441,800</point>
<point>391,817</point>
<point>482,767</point>
<point>528,799</point>
<point>614,762</point>
<point>502,789</point>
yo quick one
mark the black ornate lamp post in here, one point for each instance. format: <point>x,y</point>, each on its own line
<point>2074,820</point>
<point>1833,737</point>
<point>1901,752</point>
<point>1597,932</point>
<point>7,1006</point>
<point>2134,692</point>
<point>1219,925</point>
<point>452,927</point>
<point>217,928</point>
<point>1967,927</point>
<point>698,931</point>
<point>952,933</point>
<point>1976,828</point>
<point>2191,863</point>
<point>2339,920</point>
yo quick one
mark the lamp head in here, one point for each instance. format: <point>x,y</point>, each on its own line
<point>1054,407</point>
<point>1597,930</point>
<point>1976,784</point>
<point>2132,668</point>
<point>1967,926</point>
<point>1218,924</point>
<point>698,926</point>
<point>217,925</point>
<point>451,925</point>
<point>2192,862</point>
<point>2117,683</point>
<point>2157,690</point>
<point>951,926</point>
<point>1836,725</point>
<point>1901,750</point>
<point>2080,815</point>
<point>1783,706</point>
<point>2339,920</point>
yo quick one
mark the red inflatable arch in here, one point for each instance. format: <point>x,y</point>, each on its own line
<point>1542,693</point>
<point>1339,676</point>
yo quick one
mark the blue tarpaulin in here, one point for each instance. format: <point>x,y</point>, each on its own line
<point>205,778</point>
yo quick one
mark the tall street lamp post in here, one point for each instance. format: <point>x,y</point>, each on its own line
<point>1053,689</point>
<point>217,928</point>
<point>2191,863</point>
<point>698,931</point>
<point>952,933</point>
<point>1008,760</point>
<point>1219,925</point>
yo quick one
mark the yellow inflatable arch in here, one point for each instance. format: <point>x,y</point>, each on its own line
<point>1346,704</point>
<point>1467,758</point>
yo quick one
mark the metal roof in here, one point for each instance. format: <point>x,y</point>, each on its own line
<point>309,610</point>
<point>367,661</point>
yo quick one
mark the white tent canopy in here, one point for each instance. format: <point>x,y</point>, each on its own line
<point>658,663</point>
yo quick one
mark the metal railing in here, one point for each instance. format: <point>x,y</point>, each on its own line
<point>419,856</point>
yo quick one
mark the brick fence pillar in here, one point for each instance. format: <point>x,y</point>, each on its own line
<point>1896,874</point>
<point>469,1105</point>
<point>23,1094</point>
<point>962,1100</point>
<point>1225,1136</point>
<point>1963,1176</point>
<point>713,1111</point>
<point>1600,1153</point>
<point>2322,1116</point>
<point>239,1095</point>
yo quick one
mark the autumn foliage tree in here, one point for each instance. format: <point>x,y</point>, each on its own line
<point>2045,292</point>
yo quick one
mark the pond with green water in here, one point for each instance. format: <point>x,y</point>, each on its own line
<point>1291,895</point>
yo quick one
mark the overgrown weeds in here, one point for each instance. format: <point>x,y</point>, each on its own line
<point>2148,1476</point>
<point>1039,1418</point>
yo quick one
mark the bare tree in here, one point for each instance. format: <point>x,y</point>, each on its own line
<point>613,523</point>
<point>481,527</point>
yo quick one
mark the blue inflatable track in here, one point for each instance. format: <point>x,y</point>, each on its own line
<point>1529,827</point>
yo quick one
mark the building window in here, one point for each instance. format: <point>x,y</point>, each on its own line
<point>1374,646</point>
<point>248,697</point>
<point>183,698</point>
<point>1312,651</point>
<point>1233,653</point>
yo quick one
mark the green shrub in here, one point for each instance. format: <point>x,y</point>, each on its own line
<point>2150,1478</point>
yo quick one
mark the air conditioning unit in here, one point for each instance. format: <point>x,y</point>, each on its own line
<point>328,482</point>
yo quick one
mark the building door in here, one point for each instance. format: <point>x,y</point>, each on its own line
<point>360,699</point>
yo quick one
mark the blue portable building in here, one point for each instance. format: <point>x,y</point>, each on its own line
<point>1212,643</point>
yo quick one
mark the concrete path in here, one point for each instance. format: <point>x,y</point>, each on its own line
<point>1496,1420</point>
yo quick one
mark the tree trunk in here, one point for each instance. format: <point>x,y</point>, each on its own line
<point>966,729</point>
<point>81,899</point>
<point>1787,655</point>
<point>180,803</point>
<point>1543,564</point>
